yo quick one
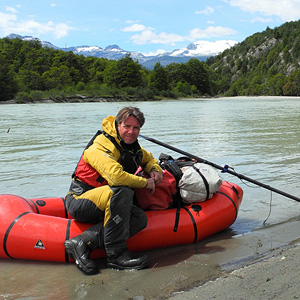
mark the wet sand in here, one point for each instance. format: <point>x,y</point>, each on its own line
<point>263,264</point>
<point>275,277</point>
<point>265,274</point>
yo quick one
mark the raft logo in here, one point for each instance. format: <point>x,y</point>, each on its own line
<point>40,202</point>
<point>39,245</point>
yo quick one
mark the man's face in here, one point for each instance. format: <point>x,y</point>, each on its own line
<point>129,130</point>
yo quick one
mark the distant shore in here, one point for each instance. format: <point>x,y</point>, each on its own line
<point>75,99</point>
<point>87,99</point>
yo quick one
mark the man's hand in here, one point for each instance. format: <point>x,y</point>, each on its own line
<point>150,185</point>
<point>156,176</point>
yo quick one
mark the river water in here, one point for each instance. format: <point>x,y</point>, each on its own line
<point>41,143</point>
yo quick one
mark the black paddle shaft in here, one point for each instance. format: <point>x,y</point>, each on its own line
<point>224,169</point>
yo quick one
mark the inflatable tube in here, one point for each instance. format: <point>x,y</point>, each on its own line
<point>35,229</point>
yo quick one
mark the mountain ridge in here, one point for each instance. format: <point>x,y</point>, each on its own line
<point>200,50</point>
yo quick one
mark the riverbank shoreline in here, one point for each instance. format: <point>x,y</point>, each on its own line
<point>88,99</point>
<point>273,277</point>
<point>78,99</point>
<point>261,274</point>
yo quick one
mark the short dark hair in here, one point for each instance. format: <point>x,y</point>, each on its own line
<point>128,111</point>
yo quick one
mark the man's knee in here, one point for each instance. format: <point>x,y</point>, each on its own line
<point>125,190</point>
<point>123,195</point>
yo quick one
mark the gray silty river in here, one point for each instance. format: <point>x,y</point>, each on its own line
<point>259,137</point>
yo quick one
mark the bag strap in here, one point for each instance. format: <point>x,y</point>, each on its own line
<point>178,201</point>
<point>174,167</point>
<point>204,180</point>
<point>113,140</point>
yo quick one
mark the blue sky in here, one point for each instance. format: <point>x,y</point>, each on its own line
<point>147,26</point>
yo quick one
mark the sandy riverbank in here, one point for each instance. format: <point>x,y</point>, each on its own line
<point>274,274</point>
<point>276,277</point>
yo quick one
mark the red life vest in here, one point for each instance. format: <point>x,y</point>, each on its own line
<point>87,174</point>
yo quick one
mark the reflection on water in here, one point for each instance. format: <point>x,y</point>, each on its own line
<point>41,144</point>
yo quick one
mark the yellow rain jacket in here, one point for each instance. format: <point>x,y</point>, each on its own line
<point>103,156</point>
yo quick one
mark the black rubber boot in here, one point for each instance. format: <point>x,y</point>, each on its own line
<point>79,250</point>
<point>80,247</point>
<point>126,260</point>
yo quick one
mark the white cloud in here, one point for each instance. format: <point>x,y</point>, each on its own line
<point>134,28</point>
<point>53,4</point>
<point>210,32</point>
<point>60,30</point>
<point>261,20</point>
<point>147,35</point>
<point>130,22</point>
<point>6,19</point>
<point>207,11</point>
<point>9,23</point>
<point>150,37</point>
<point>10,9</point>
<point>287,10</point>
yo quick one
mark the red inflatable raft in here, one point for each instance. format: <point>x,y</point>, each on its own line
<point>36,229</point>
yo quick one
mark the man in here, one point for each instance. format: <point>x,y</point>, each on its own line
<point>102,193</point>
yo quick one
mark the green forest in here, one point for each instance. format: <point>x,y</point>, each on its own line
<point>31,72</point>
<point>265,63</point>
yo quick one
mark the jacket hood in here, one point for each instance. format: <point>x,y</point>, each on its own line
<point>109,126</point>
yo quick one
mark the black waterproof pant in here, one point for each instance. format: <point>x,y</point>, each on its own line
<point>113,207</point>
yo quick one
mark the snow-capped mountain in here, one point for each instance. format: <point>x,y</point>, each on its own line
<point>113,52</point>
<point>30,38</point>
<point>201,50</point>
